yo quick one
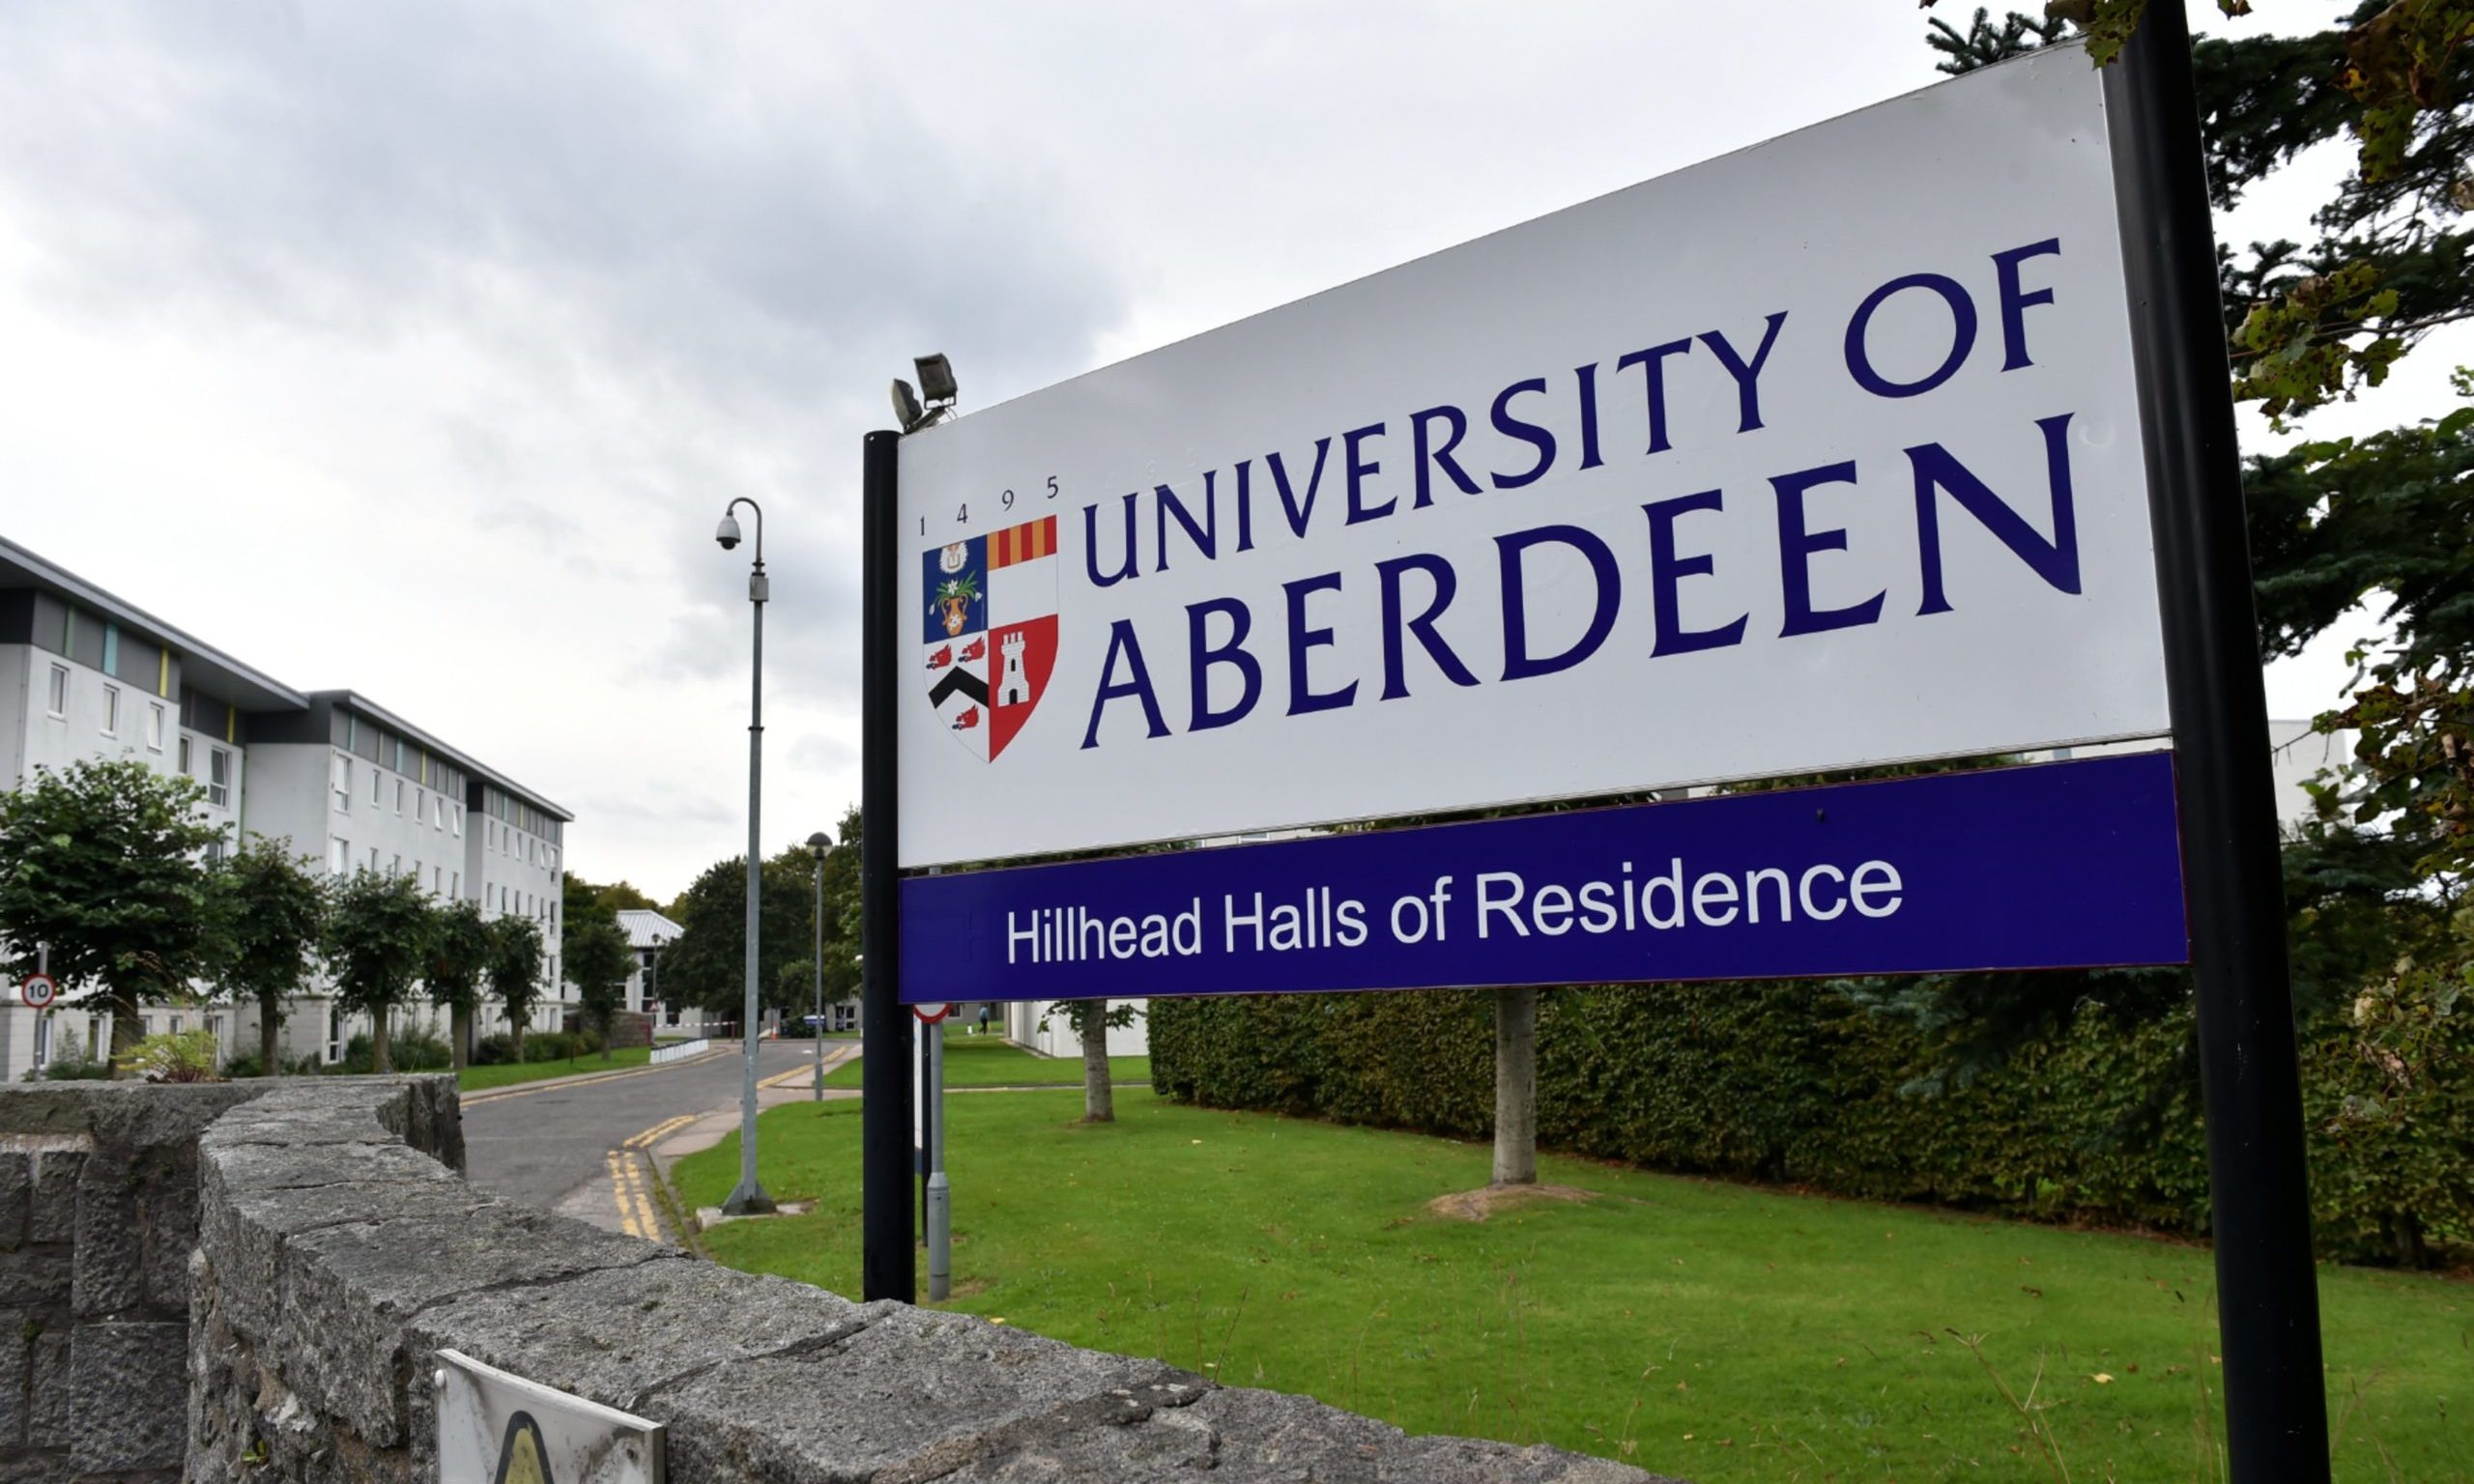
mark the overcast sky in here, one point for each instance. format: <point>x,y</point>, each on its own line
<point>415,348</point>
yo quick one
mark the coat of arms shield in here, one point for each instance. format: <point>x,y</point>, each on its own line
<point>990,631</point>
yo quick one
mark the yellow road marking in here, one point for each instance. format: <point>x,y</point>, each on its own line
<point>808,1071</point>
<point>661,1131</point>
<point>619,1193</point>
<point>635,1206</point>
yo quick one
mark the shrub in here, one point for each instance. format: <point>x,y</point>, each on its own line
<point>293,1064</point>
<point>175,1056</point>
<point>69,1062</point>
<point>1794,1082</point>
<point>494,1049</point>
<point>407,1051</point>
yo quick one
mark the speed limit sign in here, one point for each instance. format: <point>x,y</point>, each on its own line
<point>931,1014</point>
<point>39,991</point>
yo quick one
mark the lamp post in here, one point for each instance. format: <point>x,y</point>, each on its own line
<point>748,1198</point>
<point>821,842</point>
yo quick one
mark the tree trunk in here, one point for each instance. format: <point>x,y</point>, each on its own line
<point>459,1030</point>
<point>269,1036</point>
<point>378,1040</point>
<point>1516,1087</point>
<point>515,1037</point>
<point>126,1030</point>
<point>1099,1094</point>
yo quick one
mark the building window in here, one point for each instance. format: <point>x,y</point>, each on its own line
<point>399,796</point>
<point>154,727</point>
<point>338,855</point>
<point>111,710</point>
<point>59,690</point>
<point>184,756</point>
<point>218,777</point>
<point>396,867</point>
<point>455,884</point>
<point>459,821</point>
<point>343,784</point>
<point>373,857</point>
<point>438,880</point>
<point>490,834</point>
<point>376,787</point>
<point>42,1039</point>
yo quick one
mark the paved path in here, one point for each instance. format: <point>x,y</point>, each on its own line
<point>579,1149</point>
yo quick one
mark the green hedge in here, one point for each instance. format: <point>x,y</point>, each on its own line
<point>1794,1084</point>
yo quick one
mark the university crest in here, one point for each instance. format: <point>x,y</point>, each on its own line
<point>990,613</point>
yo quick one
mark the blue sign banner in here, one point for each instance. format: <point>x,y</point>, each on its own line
<point>2063,865</point>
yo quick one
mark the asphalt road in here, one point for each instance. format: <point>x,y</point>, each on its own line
<point>554,1139</point>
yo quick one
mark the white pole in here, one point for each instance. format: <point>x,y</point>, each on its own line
<point>941,1194</point>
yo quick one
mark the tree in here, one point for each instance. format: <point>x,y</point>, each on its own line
<point>2333,524</point>
<point>1092,1020</point>
<point>598,958</point>
<point>100,861</point>
<point>381,933</point>
<point>270,921</point>
<point>580,896</point>
<point>516,960</point>
<point>1515,1085</point>
<point>708,964</point>
<point>459,962</point>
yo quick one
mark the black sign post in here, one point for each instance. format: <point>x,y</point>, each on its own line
<point>889,1264</point>
<point>2267,1294</point>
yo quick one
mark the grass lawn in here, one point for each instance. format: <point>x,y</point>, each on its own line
<point>505,1074</point>
<point>992,1061</point>
<point>1711,1331</point>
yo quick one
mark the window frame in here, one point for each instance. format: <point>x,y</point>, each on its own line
<point>59,692</point>
<point>219,792</point>
<point>111,710</point>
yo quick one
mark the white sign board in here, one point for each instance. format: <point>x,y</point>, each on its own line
<point>495,1427</point>
<point>1820,455</point>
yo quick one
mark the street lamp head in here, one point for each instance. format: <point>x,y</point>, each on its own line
<point>726,532</point>
<point>820,842</point>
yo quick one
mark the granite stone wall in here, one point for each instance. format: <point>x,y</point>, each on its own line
<point>97,1218</point>
<point>274,1265</point>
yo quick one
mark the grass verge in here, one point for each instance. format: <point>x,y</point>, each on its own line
<point>988,1060</point>
<point>473,1079</point>
<point>1712,1331</point>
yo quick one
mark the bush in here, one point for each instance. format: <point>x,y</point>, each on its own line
<point>407,1051</point>
<point>58,1071</point>
<point>176,1056</point>
<point>244,1064</point>
<point>1793,1082</point>
<point>492,1050</point>
<point>69,1062</point>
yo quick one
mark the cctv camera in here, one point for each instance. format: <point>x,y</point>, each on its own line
<point>727,533</point>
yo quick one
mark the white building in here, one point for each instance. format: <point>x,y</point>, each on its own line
<point>648,932</point>
<point>86,675</point>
